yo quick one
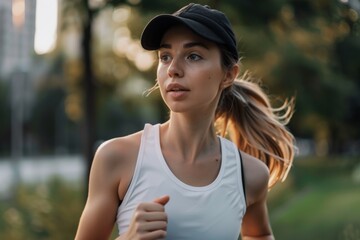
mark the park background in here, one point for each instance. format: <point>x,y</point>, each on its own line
<point>72,75</point>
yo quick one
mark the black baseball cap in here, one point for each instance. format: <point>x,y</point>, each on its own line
<point>210,24</point>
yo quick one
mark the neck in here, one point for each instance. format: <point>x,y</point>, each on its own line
<point>189,137</point>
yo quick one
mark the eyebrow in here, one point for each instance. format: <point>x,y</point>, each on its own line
<point>186,45</point>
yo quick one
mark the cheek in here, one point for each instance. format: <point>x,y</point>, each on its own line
<point>161,74</point>
<point>158,70</point>
<point>214,79</point>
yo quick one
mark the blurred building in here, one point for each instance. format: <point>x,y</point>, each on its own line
<point>16,42</point>
<point>20,66</point>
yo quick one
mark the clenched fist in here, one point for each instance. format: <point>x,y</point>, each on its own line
<point>149,220</point>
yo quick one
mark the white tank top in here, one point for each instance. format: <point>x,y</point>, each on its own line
<point>211,212</point>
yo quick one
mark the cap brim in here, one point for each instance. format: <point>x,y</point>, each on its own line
<point>156,28</point>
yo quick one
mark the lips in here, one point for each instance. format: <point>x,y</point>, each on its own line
<point>175,87</point>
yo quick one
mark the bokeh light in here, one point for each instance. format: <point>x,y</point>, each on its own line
<point>46,26</point>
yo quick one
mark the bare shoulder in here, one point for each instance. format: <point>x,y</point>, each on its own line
<point>114,163</point>
<point>256,175</point>
<point>109,178</point>
<point>118,151</point>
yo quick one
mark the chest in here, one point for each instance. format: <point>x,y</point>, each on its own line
<point>206,216</point>
<point>198,173</point>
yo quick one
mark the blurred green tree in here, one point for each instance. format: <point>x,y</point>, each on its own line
<point>4,119</point>
<point>303,48</point>
<point>309,49</point>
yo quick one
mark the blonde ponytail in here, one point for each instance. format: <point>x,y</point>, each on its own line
<point>245,115</point>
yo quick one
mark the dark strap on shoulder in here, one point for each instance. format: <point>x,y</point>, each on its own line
<point>242,174</point>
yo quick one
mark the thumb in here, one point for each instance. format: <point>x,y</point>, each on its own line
<point>162,200</point>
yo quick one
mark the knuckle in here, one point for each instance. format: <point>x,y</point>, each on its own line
<point>164,226</point>
<point>138,216</point>
<point>139,207</point>
<point>162,233</point>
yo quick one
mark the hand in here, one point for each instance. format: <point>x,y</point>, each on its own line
<point>149,220</point>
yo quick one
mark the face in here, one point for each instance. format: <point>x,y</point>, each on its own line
<point>189,74</point>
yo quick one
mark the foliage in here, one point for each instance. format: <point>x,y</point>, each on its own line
<point>44,211</point>
<point>319,201</point>
<point>50,125</point>
<point>309,49</point>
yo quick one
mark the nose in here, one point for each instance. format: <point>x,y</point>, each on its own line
<point>175,68</point>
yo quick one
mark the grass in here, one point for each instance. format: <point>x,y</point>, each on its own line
<point>323,202</point>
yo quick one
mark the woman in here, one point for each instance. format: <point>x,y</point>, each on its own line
<point>179,179</point>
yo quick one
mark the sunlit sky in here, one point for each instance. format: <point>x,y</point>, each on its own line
<point>46,25</point>
<point>46,34</point>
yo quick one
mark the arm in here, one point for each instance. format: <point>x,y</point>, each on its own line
<point>110,176</point>
<point>99,214</point>
<point>256,225</point>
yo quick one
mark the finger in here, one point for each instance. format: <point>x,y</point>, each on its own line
<point>150,207</point>
<point>158,234</point>
<point>150,216</point>
<point>153,226</point>
<point>162,200</point>
<point>155,216</point>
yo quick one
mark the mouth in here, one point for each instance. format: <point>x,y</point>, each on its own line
<point>174,87</point>
<point>176,90</point>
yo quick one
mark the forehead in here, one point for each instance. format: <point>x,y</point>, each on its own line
<point>179,33</point>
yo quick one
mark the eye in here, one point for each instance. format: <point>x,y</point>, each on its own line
<point>194,57</point>
<point>164,58</point>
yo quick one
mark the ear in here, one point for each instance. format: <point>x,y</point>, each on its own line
<point>230,76</point>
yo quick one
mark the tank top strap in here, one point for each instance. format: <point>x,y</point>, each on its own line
<point>147,137</point>
<point>233,166</point>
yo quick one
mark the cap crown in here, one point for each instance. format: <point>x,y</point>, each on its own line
<point>212,18</point>
<point>210,24</point>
